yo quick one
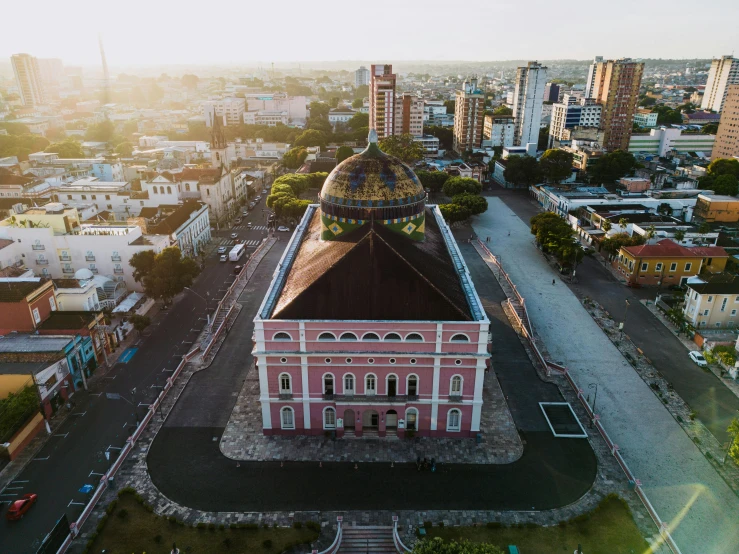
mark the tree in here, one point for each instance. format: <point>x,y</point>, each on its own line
<point>613,244</point>
<point>432,180</point>
<point>459,185</point>
<point>606,225</point>
<point>704,228</point>
<point>295,157</point>
<point>358,121</point>
<point>190,81</point>
<point>318,110</point>
<point>21,145</point>
<point>444,134</point>
<point>139,322</point>
<point>733,431</point>
<point>710,128</point>
<point>343,152</point>
<point>166,275</point>
<point>725,184</point>
<point>556,165</point>
<point>647,101</point>
<point>611,167</point>
<point>474,203</point>
<point>679,235</point>
<point>311,137</point>
<point>667,116</point>
<point>362,91</point>
<point>334,102</point>
<point>69,148</point>
<point>103,132</point>
<point>450,106</point>
<point>454,212</point>
<point>664,209</point>
<point>403,147</point>
<point>724,166</point>
<point>543,141</point>
<point>142,264</point>
<point>439,546</point>
<point>124,149</point>
<point>522,171</point>
<point>357,103</point>
<point>503,110</point>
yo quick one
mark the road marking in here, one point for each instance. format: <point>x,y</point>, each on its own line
<point>128,353</point>
<point>73,503</point>
<point>14,488</point>
<point>108,377</point>
<point>95,393</point>
<point>187,342</point>
<point>40,459</point>
<point>124,425</point>
<point>94,473</point>
<point>16,481</point>
<point>80,413</point>
<point>169,370</point>
<point>64,435</point>
<point>8,494</point>
<point>140,404</point>
<point>114,448</point>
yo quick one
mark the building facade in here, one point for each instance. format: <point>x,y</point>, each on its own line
<point>382,100</point>
<point>724,72</point>
<point>711,305</point>
<point>727,137</point>
<point>528,99</point>
<point>28,79</point>
<point>229,110</point>
<point>570,113</point>
<point>663,140</point>
<point>645,118</point>
<point>498,130</point>
<point>361,77</point>
<point>469,117</point>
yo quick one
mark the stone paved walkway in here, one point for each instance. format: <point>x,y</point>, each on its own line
<point>680,482</point>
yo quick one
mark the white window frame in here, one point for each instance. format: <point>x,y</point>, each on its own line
<point>349,391</point>
<point>688,266</point>
<point>283,390</point>
<point>454,428</point>
<point>321,334</point>
<point>451,385</point>
<point>326,424</point>
<point>408,411</point>
<point>333,383</point>
<point>52,303</point>
<point>466,337</point>
<point>644,266</point>
<point>36,315</point>
<point>352,337</point>
<point>276,337</point>
<point>373,390</point>
<point>658,266</point>
<point>407,383</point>
<point>393,340</point>
<point>364,337</point>
<point>419,339</point>
<point>723,304</point>
<point>290,424</point>
<point>673,266</point>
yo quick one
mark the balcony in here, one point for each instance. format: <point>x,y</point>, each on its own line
<point>372,398</point>
<point>38,247</point>
<point>115,258</point>
<point>89,258</point>
<point>65,258</point>
<point>68,270</point>
<point>94,270</point>
<point>42,262</point>
<point>455,398</point>
<point>286,396</point>
<point>118,271</point>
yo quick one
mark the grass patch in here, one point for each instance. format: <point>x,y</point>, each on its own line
<point>142,531</point>
<point>609,529</point>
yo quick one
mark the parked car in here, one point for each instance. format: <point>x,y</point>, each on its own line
<point>283,229</point>
<point>698,358</point>
<point>234,235</point>
<point>251,205</point>
<point>248,224</point>
<point>264,191</point>
<point>222,249</point>
<point>244,213</point>
<point>237,221</point>
<point>19,507</point>
<point>224,258</point>
<point>237,269</point>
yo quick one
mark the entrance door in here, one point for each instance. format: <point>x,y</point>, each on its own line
<point>349,419</point>
<point>392,386</point>
<point>391,419</point>
<point>371,419</point>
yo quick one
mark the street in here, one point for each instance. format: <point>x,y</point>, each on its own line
<point>76,454</point>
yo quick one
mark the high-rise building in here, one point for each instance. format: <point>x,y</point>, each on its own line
<point>361,77</point>
<point>498,130</point>
<point>723,73</point>
<point>527,102</point>
<point>551,92</point>
<point>570,113</point>
<point>590,83</point>
<point>382,100</point>
<point>469,116</point>
<point>28,77</point>
<point>230,110</point>
<point>408,115</point>
<point>727,137</point>
<point>616,87</point>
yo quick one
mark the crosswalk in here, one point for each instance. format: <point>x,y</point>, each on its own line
<point>253,227</point>
<point>230,243</point>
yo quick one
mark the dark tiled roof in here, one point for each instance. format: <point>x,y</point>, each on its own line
<point>16,291</point>
<point>11,179</point>
<point>731,287</point>
<point>148,212</point>
<point>67,320</point>
<point>373,273</point>
<point>176,218</point>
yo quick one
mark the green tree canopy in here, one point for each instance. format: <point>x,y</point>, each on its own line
<point>139,322</point>
<point>710,128</point>
<point>459,185</point>
<point>474,203</point>
<point>167,275</point>
<point>725,184</point>
<point>724,166</point>
<point>343,152</point>
<point>444,134</point>
<point>454,212</point>
<point>556,165</point>
<point>432,180</point>
<point>124,149</point>
<point>613,244</point>
<point>362,91</point>
<point>68,148</point>
<point>358,121</point>
<point>21,145</point>
<point>357,103</point>
<point>611,167</point>
<point>403,147</point>
<point>295,157</point>
<point>311,137</point>
<point>647,101</point>
<point>439,546</point>
<point>450,106</point>
<point>522,171</point>
<point>502,110</point>
<point>554,235</point>
<point>319,109</point>
<point>103,132</point>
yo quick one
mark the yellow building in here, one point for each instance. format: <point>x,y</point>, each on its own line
<point>711,208</point>
<point>668,263</point>
<point>53,215</point>
<point>712,305</point>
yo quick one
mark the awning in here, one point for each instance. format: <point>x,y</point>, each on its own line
<point>128,303</point>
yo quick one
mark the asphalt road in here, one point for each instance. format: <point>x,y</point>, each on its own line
<point>72,457</point>
<point>186,465</point>
<point>714,404</point>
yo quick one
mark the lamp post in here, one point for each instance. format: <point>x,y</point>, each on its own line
<point>623,322</point>
<point>595,397</point>
<point>207,315</point>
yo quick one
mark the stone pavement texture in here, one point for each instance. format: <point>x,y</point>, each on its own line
<point>680,482</point>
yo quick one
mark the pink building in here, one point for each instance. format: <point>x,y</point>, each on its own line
<point>371,324</point>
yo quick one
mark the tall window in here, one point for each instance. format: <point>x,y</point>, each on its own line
<point>454,420</point>
<point>329,418</point>
<point>455,389</point>
<point>287,418</point>
<point>411,420</point>
<point>328,384</point>
<point>412,385</point>
<point>370,385</point>
<point>285,383</point>
<point>349,384</point>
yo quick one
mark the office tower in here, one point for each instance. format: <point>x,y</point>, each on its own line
<point>361,77</point>
<point>408,115</point>
<point>616,87</point>
<point>727,137</point>
<point>570,113</point>
<point>28,77</point>
<point>551,92</point>
<point>723,73</point>
<point>527,101</point>
<point>590,83</point>
<point>382,100</point>
<point>469,116</point>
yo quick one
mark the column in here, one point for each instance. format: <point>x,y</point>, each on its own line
<point>306,392</point>
<point>435,393</point>
<point>264,395</point>
<point>477,400</point>
<point>358,423</point>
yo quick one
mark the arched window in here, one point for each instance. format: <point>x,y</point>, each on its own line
<point>154,190</point>
<point>282,336</point>
<point>460,338</point>
<point>414,337</point>
<point>326,336</point>
<point>455,386</point>
<point>454,420</point>
<point>412,385</point>
<point>287,418</point>
<point>187,187</point>
<point>169,190</point>
<point>329,418</point>
<point>349,384</point>
<point>393,337</point>
<point>411,419</point>
<point>285,384</point>
<point>370,336</point>
<point>391,385</point>
<point>348,336</point>
<point>328,383</point>
<point>370,384</point>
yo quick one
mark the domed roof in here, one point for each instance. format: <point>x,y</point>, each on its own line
<point>83,273</point>
<point>372,179</point>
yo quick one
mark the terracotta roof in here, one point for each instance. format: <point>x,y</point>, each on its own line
<point>197,173</point>
<point>173,221</point>
<point>5,242</point>
<point>68,320</point>
<point>11,179</point>
<point>668,248</point>
<point>16,291</point>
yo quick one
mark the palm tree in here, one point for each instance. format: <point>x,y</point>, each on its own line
<point>606,225</point>
<point>651,232</point>
<point>679,235</point>
<point>623,223</point>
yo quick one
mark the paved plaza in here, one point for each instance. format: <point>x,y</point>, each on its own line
<point>680,482</point>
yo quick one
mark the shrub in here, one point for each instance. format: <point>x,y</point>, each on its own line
<point>211,527</point>
<point>313,526</point>
<point>158,539</point>
<point>427,525</point>
<point>227,542</point>
<point>494,525</point>
<point>250,526</point>
<point>298,525</point>
<point>111,507</point>
<point>267,543</point>
<point>202,525</point>
<point>122,513</point>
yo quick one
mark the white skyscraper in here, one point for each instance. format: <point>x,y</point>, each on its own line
<point>527,102</point>
<point>724,72</point>
<point>28,77</point>
<point>590,83</point>
<point>361,77</point>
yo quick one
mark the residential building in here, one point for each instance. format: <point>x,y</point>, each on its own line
<point>527,102</point>
<point>572,112</point>
<point>702,118</point>
<point>388,352</point>
<point>711,305</point>
<point>727,137</point>
<point>340,115</point>
<point>590,82</point>
<point>668,263</point>
<point>25,303</point>
<point>645,118</point>
<point>616,86</point>
<point>551,93</point>
<point>469,117</point>
<point>230,111</point>
<point>382,100</point>
<point>716,208</point>
<point>634,185</point>
<point>270,119</point>
<point>724,72</point>
<point>45,371</point>
<point>77,295</point>
<point>663,140</point>
<point>187,225</point>
<point>498,130</point>
<point>361,77</point>
<point>28,79</point>
<point>408,115</point>
<point>430,145</point>
<point>277,102</point>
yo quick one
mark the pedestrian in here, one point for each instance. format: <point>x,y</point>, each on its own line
<point>509,233</point>
<point>552,281</point>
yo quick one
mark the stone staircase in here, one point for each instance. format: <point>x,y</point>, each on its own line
<point>367,540</point>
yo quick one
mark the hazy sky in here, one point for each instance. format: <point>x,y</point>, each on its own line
<point>138,32</point>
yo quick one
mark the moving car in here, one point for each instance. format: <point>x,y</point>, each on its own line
<point>251,205</point>
<point>264,191</point>
<point>222,249</point>
<point>234,235</point>
<point>283,229</point>
<point>19,507</point>
<point>698,358</point>
<point>224,258</point>
<point>244,213</point>
<point>237,269</point>
<point>249,224</point>
<point>237,221</point>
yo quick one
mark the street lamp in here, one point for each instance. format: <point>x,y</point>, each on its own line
<point>623,322</point>
<point>592,408</point>
<point>207,315</point>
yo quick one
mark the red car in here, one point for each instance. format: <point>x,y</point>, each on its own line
<point>19,507</point>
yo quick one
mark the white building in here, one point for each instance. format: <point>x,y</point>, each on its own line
<point>498,130</point>
<point>295,106</point>
<point>28,78</point>
<point>724,72</point>
<point>263,117</point>
<point>230,110</point>
<point>645,118</point>
<point>430,145</point>
<point>570,113</point>
<point>663,140</point>
<point>77,295</point>
<point>527,102</point>
<point>590,82</point>
<point>340,115</point>
<point>361,77</point>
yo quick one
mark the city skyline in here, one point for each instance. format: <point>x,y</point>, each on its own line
<point>419,41</point>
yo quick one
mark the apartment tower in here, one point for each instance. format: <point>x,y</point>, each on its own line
<point>28,77</point>
<point>408,115</point>
<point>727,137</point>
<point>382,100</point>
<point>469,116</point>
<point>590,83</point>
<point>616,87</point>
<point>361,77</point>
<point>723,73</point>
<point>527,102</point>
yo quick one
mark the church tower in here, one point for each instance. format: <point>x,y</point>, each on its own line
<point>217,143</point>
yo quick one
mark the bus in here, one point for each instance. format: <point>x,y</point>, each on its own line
<point>237,252</point>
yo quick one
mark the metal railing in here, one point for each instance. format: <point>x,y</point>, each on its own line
<point>38,247</point>
<point>89,258</point>
<point>334,548</point>
<point>399,546</point>
<point>42,262</point>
